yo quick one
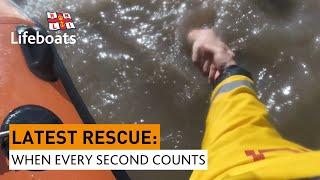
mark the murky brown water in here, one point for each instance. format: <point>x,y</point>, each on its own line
<point>131,62</point>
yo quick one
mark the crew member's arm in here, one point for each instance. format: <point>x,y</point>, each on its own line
<point>240,141</point>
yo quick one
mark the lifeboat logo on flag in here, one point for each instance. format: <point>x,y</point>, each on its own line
<point>60,21</point>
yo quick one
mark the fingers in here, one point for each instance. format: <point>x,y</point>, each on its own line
<point>202,57</point>
<point>217,75</point>
<point>206,67</point>
<point>212,73</point>
<point>209,53</point>
<point>198,57</point>
<point>214,49</point>
<point>195,53</point>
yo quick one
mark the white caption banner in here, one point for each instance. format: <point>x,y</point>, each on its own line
<point>108,160</point>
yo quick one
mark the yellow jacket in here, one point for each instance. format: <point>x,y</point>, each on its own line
<point>242,144</point>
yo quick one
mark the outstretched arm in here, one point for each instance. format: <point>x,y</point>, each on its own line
<point>240,141</point>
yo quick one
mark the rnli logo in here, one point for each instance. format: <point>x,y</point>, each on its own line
<point>60,21</point>
<point>56,21</point>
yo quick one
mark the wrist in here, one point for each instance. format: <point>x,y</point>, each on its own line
<point>225,65</point>
<point>230,63</point>
<point>231,69</point>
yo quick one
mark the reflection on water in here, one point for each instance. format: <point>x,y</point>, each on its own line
<point>131,64</point>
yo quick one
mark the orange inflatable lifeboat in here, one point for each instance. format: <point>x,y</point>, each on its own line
<point>35,88</point>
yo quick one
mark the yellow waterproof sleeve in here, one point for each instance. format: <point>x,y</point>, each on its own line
<point>242,144</point>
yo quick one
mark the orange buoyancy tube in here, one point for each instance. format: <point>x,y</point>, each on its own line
<point>19,87</point>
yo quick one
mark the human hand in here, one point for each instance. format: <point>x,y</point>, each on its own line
<point>209,53</point>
